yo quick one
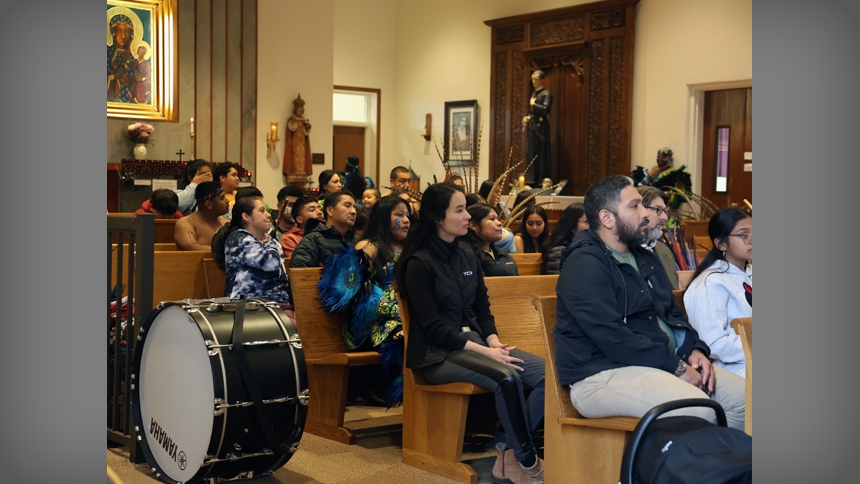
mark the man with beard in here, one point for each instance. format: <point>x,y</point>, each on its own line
<point>665,158</point>
<point>621,341</point>
<point>655,200</point>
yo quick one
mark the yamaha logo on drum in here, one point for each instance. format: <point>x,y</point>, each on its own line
<point>169,446</point>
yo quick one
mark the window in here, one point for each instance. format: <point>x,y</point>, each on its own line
<point>350,107</point>
<point>722,159</point>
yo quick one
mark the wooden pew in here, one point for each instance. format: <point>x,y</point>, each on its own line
<point>163,228</point>
<point>531,257</point>
<point>326,356</point>
<point>177,275</point>
<point>576,449</point>
<point>216,280</point>
<point>743,326</point>
<point>528,264</point>
<point>164,246</point>
<point>434,416</point>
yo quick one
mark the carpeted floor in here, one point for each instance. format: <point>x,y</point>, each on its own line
<point>374,458</point>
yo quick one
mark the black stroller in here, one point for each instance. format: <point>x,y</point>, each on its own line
<point>686,450</point>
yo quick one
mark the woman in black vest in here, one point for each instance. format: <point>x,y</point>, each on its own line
<point>453,337</point>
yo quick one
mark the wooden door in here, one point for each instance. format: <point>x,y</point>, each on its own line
<point>348,141</point>
<point>726,174</point>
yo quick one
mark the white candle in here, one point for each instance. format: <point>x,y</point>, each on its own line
<point>192,126</point>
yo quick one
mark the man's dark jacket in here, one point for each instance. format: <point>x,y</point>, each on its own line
<point>318,242</point>
<point>606,316</point>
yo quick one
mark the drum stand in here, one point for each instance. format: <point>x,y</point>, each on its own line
<point>240,477</point>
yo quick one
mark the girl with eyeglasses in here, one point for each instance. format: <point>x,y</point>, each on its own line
<point>721,288</point>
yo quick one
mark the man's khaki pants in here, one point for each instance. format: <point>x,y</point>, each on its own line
<point>633,390</point>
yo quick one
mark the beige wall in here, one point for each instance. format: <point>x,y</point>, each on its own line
<point>217,86</point>
<point>443,54</point>
<point>422,54</point>
<point>364,40</point>
<point>295,46</point>
<point>681,44</point>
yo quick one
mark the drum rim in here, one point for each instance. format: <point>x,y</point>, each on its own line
<point>140,434</point>
<point>299,367</point>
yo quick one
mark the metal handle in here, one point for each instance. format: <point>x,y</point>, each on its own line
<point>648,419</point>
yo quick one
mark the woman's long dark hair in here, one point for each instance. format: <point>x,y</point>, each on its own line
<point>242,205</point>
<point>378,230</point>
<point>478,212</point>
<point>564,231</point>
<point>528,246</point>
<point>324,178</point>
<point>434,205</point>
<point>720,226</point>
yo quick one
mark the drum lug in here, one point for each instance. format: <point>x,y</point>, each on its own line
<point>294,447</point>
<point>214,350</point>
<point>304,396</point>
<point>219,408</point>
<point>296,342</point>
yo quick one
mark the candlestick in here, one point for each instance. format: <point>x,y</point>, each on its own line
<point>192,127</point>
<point>274,128</point>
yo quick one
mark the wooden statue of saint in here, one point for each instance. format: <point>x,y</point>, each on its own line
<point>297,144</point>
<point>537,129</point>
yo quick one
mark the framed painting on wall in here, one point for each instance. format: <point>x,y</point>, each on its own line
<point>141,59</point>
<point>461,128</point>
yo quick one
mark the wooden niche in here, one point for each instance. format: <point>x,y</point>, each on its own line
<point>586,52</point>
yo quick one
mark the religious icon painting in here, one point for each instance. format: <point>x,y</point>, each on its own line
<point>461,132</point>
<point>141,59</point>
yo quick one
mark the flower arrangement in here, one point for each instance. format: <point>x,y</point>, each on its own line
<point>139,133</point>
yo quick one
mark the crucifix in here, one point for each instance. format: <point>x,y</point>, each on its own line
<point>180,153</point>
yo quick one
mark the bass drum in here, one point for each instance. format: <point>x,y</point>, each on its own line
<point>194,411</point>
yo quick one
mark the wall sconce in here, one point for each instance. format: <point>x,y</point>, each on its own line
<point>271,138</point>
<point>428,125</point>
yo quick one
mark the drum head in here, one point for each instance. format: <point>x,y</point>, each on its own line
<point>176,394</point>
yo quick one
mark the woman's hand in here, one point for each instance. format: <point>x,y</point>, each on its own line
<point>493,341</point>
<point>499,354</point>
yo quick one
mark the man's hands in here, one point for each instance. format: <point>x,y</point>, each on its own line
<point>700,373</point>
<point>700,363</point>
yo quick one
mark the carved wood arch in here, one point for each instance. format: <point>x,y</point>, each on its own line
<point>587,53</point>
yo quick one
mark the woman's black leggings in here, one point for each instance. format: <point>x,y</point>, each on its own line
<point>519,416</point>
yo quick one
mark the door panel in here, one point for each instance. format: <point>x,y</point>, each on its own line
<point>348,141</point>
<point>727,135</point>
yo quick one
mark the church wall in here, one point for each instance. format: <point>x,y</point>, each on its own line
<point>364,56</point>
<point>296,47</point>
<point>443,54</point>
<point>681,43</point>
<point>422,54</point>
<point>217,84</point>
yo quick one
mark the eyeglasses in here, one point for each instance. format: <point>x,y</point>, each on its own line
<point>658,210</point>
<point>746,237</point>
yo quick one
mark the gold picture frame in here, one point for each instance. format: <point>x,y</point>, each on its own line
<point>142,57</point>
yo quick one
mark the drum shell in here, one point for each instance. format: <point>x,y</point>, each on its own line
<point>237,443</point>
